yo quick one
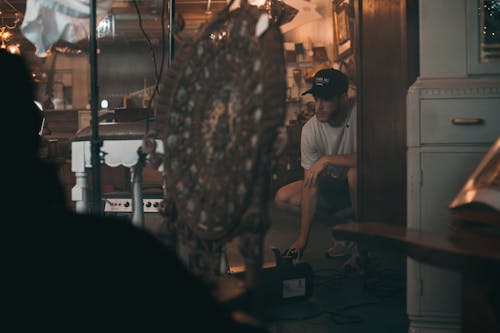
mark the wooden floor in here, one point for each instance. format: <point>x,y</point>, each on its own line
<point>343,301</point>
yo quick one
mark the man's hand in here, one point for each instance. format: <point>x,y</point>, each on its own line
<point>297,248</point>
<point>311,175</point>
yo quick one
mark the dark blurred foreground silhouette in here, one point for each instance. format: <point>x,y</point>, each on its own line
<point>63,271</point>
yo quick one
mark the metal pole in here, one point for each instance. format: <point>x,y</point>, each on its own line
<point>171,29</point>
<point>96,143</point>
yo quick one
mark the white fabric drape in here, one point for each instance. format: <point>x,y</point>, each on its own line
<point>47,21</point>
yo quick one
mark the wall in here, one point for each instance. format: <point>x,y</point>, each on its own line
<point>313,26</point>
<point>443,39</point>
<point>449,41</point>
<point>320,31</point>
<point>78,80</point>
<point>80,68</point>
<point>121,71</point>
<point>126,68</point>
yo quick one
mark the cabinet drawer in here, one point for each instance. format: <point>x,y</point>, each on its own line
<point>468,121</point>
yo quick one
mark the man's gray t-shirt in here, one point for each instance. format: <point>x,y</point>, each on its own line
<point>318,139</point>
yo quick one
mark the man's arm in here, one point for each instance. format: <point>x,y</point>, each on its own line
<point>307,210</point>
<point>347,160</point>
<point>311,175</point>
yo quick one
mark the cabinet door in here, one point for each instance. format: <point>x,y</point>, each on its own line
<point>434,294</point>
<point>443,175</point>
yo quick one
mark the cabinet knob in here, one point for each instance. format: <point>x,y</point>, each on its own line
<point>467,121</point>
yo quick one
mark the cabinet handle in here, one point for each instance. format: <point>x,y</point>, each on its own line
<point>467,121</point>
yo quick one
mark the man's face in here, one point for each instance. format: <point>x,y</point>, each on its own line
<point>326,108</point>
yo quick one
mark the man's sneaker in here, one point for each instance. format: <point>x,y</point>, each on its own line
<point>354,263</point>
<point>346,213</point>
<point>340,249</point>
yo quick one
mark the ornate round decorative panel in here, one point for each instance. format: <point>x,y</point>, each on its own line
<point>220,106</point>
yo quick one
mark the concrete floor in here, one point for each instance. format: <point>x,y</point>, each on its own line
<point>342,301</point>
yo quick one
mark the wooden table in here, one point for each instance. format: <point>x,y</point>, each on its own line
<point>121,142</point>
<point>470,249</point>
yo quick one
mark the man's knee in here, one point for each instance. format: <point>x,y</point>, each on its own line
<point>288,196</point>
<point>281,198</point>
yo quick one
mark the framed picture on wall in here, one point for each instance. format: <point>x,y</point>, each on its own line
<point>342,28</point>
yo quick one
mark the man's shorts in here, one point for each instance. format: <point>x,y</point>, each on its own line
<point>333,194</point>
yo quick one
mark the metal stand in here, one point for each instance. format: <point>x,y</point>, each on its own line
<point>96,142</point>
<point>137,197</point>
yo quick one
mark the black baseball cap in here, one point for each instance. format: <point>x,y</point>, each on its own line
<point>328,83</point>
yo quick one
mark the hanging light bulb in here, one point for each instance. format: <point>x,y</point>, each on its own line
<point>14,49</point>
<point>6,35</point>
<point>257,3</point>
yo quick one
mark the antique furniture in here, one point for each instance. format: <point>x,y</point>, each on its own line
<point>121,143</point>
<point>467,250</point>
<point>458,121</point>
<point>452,119</point>
<point>220,106</point>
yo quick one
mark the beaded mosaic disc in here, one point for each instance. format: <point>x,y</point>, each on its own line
<point>220,106</point>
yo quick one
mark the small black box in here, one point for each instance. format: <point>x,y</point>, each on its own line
<point>287,283</point>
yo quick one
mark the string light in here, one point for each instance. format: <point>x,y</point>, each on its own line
<point>489,23</point>
<point>6,34</point>
<point>491,26</point>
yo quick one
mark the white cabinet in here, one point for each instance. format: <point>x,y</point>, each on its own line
<point>451,125</point>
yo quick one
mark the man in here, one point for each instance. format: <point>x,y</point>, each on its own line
<point>328,155</point>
